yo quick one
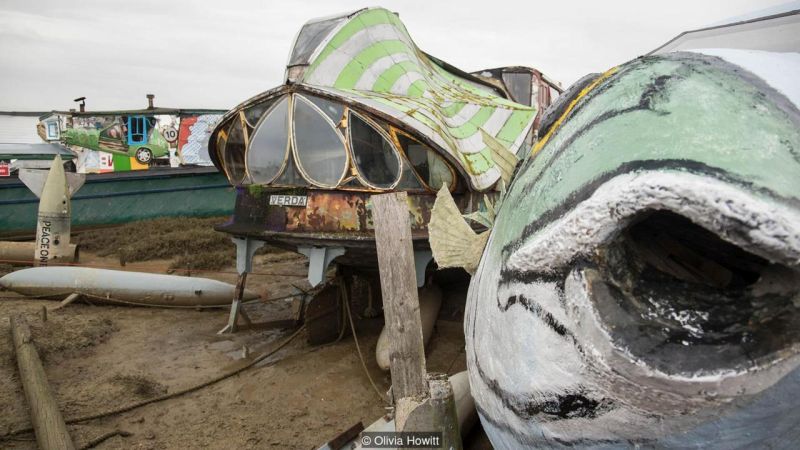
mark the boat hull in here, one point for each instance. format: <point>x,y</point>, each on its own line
<point>114,198</point>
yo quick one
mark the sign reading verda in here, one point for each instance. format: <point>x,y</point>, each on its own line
<point>288,200</point>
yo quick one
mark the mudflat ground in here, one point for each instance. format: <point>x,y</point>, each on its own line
<point>100,357</point>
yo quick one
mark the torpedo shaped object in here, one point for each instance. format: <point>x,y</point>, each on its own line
<point>117,286</point>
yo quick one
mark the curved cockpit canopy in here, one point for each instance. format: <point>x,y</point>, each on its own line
<point>298,138</point>
<point>364,109</point>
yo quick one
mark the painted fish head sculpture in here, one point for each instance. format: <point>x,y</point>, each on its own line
<point>640,283</point>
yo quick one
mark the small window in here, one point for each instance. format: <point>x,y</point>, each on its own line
<point>375,158</point>
<point>432,168</point>
<point>52,130</point>
<point>519,85</point>
<point>137,130</point>
<point>233,153</point>
<point>269,144</point>
<point>319,147</point>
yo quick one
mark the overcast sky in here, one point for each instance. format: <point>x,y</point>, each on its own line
<point>216,54</point>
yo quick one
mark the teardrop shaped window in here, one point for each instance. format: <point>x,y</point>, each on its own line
<point>375,158</point>
<point>269,145</point>
<point>233,154</point>
<point>432,168</point>
<point>319,147</point>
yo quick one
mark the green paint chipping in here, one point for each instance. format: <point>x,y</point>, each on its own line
<point>700,110</point>
<point>355,69</point>
<point>363,20</point>
<point>360,54</point>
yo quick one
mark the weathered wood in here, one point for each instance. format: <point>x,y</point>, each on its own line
<point>399,289</point>
<point>48,424</point>
<point>437,413</point>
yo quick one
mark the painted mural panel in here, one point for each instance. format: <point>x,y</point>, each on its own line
<point>193,138</point>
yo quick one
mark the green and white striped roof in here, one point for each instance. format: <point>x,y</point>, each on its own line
<point>368,57</point>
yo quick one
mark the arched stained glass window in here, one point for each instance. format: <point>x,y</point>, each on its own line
<point>375,158</point>
<point>269,144</point>
<point>320,149</point>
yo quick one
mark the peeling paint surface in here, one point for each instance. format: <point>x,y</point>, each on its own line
<point>372,60</point>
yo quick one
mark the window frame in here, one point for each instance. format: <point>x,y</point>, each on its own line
<point>339,134</point>
<point>286,151</point>
<point>453,174</point>
<point>388,139</point>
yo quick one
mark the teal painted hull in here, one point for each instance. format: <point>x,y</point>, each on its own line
<point>115,198</point>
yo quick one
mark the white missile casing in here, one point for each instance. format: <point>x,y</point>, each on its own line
<point>117,286</point>
<point>53,222</point>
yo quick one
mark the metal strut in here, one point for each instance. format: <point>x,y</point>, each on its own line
<point>245,249</point>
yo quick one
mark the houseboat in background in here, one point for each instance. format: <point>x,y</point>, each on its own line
<point>139,164</point>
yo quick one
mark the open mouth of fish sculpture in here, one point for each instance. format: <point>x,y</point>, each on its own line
<point>641,283</point>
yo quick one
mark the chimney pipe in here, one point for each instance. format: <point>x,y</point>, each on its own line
<point>150,98</point>
<point>83,103</point>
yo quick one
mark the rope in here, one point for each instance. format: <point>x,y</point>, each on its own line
<point>358,347</point>
<point>99,439</point>
<point>190,389</point>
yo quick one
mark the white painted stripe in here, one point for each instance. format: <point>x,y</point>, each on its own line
<point>328,70</point>
<point>708,202</point>
<point>463,116</point>
<point>401,85</point>
<point>373,73</point>
<point>474,143</point>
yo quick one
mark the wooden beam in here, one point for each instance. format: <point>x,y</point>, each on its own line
<point>399,287</point>
<point>48,424</point>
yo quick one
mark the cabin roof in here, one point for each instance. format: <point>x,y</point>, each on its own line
<point>141,112</point>
<point>367,57</point>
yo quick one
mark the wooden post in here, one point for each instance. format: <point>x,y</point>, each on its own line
<point>48,424</point>
<point>399,288</point>
<point>437,413</point>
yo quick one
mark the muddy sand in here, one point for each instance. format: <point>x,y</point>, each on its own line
<point>100,357</point>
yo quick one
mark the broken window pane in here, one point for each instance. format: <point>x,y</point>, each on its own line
<point>519,85</point>
<point>432,168</point>
<point>234,152</point>
<point>374,156</point>
<point>320,149</point>
<point>268,145</point>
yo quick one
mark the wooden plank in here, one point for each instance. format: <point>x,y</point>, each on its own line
<point>48,424</point>
<point>399,288</point>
